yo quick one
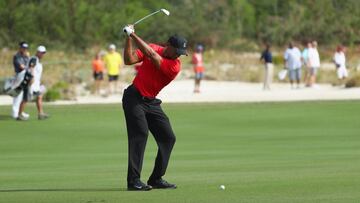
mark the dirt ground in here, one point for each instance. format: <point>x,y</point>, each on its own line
<point>181,91</point>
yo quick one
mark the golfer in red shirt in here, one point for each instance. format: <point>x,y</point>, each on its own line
<point>142,109</point>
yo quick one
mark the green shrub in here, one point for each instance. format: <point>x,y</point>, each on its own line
<point>60,90</point>
<point>2,82</point>
<point>52,94</point>
<point>353,81</point>
<point>278,60</point>
<point>61,85</point>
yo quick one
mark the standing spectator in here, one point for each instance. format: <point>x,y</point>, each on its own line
<point>314,63</point>
<point>305,61</point>
<point>20,61</point>
<point>36,89</point>
<point>98,72</point>
<point>340,63</point>
<point>113,63</point>
<point>266,56</point>
<point>292,58</point>
<point>197,61</point>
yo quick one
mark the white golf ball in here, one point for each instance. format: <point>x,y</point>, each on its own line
<point>222,187</point>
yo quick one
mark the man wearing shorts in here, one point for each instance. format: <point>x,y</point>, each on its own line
<point>36,89</point>
<point>197,61</point>
<point>98,72</point>
<point>292,58</point>
<point>113,62</point>
<point>142,109</point>
<point>305,62</point>
<point>314,63</point>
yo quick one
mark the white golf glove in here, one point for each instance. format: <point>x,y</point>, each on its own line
<point>129,29</point>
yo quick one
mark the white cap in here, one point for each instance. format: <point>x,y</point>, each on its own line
<point>41,49</point>
<point>112,46</point>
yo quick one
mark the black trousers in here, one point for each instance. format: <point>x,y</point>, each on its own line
<point>144,114</point>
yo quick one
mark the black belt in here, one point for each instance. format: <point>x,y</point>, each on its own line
<point>145,99</point>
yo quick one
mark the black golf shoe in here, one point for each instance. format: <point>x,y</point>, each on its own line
<point>137,185</point>
<point>161,184</point>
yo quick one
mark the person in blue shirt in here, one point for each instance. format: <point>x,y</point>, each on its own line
<point>266,57</point>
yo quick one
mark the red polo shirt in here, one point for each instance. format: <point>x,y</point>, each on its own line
<point>149,79</point>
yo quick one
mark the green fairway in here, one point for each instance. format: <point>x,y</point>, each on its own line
<point>266,152</point>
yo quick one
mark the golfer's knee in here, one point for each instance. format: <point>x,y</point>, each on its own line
<point>172,139</point>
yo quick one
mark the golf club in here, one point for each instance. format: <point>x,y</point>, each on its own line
<point>166,12</point>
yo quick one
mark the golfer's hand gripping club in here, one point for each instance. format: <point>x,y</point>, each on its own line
<point>129,29</point>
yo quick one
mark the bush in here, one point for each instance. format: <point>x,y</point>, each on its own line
<point>52,95</point>
<point>60,90</point>
<point>353,81</point>
<point>61,85</point>
<point>278,60</point>
<point>2,82</point>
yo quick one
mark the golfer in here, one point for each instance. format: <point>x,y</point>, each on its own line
<point>142,109</point>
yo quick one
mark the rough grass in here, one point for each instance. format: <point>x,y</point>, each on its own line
<point>274,152</point>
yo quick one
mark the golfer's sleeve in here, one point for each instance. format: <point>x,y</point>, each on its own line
<point>170,67</point>
<point>139,54</point>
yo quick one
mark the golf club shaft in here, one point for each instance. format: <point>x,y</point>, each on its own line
<point>146,17</point>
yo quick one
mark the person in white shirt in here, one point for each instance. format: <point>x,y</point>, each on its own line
<point>314,63</point>
<point>340,63</point>
<point>36,89</point>
<point>292,57</point>
<point>305,60</point>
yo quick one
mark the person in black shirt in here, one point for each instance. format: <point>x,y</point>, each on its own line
<point>20,61</point>
<point>266,57</point>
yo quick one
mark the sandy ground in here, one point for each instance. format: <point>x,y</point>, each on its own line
<point>181,91</point>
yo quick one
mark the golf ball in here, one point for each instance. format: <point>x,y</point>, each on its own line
<point>222,187</point>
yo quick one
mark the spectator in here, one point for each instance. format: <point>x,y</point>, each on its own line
<point>266,56</point>
<point>197,61</point>
<point>292,58</point>
<point>113,63</point>
<point>314,63</point>
<point>305,61</point>
<point>20,61</point>
<point>36,89</point>
<point>98,72</point>
<point>340,63</point>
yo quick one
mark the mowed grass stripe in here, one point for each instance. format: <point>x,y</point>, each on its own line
<point>261,152</point>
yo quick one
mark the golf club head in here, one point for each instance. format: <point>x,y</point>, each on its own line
<point>165,11</point>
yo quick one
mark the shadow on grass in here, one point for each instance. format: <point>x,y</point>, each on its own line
<point>66,190</point>
<point>5,117</point>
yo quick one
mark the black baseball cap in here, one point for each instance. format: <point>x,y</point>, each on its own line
<point>179,43</point>
<point>23,45</point>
